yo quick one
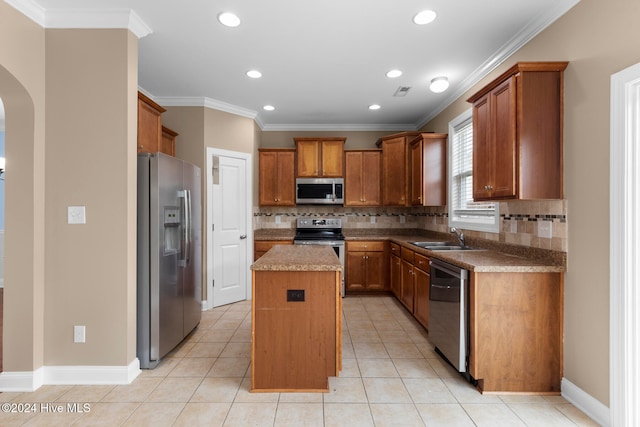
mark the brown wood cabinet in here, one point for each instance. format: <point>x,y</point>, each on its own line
<point>428,170</point>
<point>421,283</point>
<point>516,331</point>
<point>407,281</point>
<point>395,270</point>
<point>276,178</point>
<point>517,134</point>
<point>320,157</point>
<point>366,266</point>
<point>168,143</point>
<point>362,178</point>
<point>296,344</point>
<point>395,170</point>
<point>149,125</point>
<point>261,247</point>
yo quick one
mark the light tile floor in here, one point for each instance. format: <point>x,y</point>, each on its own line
<point>391,377</point>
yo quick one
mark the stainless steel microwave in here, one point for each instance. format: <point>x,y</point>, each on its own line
<point>319,191</point>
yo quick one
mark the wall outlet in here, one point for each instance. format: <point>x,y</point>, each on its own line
<point>78,334</point>
<point>372,219</point>
<point>277,219</point>
<point>544,229</point>
<point>514,226</point>
<point>403,219</point>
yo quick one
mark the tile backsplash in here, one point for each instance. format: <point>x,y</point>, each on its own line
<point>519,220</point>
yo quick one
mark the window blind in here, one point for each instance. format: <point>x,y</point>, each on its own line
<point>464,208</point>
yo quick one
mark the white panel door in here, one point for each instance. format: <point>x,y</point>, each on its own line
<point>228,203</point>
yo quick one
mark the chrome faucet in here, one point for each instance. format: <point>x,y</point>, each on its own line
<point>459,235</point>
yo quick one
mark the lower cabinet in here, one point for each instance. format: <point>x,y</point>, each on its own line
<point>366,266</point>
<point>421,292</point>
<point>260,247</point>
<point>409,278</point>
<point>515,328</point>
<point>395,277</point>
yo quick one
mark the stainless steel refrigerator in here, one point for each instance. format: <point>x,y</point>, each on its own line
<point>169,254</point>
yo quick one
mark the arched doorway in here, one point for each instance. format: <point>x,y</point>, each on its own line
<point>22,349</point>
<point>2,171</point>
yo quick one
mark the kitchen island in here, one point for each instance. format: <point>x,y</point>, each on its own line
<point>296,328</point>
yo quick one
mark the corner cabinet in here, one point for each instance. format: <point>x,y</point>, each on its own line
<point>395,173</point>
<point>362,178</point>
<point>428,170</point>
<point>517,134</point>
<point>320,157</point>
<point>276,178</point>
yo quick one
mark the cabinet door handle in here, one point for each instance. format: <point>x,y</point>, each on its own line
<point>244,236</point>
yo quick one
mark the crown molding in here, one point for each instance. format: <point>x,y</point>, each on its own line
<point>338,127</point>
<point>193,101</point>
<point>82,18</point>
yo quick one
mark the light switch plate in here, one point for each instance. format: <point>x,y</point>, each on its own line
<point>373,219</point>
<point>544,229</point>
<point>76,215</point>
<point>277,219</point>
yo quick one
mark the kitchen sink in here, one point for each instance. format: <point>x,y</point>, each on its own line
<point>444,246</point>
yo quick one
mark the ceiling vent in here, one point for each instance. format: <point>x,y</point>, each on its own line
<point>402,91</point>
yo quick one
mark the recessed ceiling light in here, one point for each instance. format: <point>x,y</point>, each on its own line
<point>374,107</point>
<point>254,74</point>
<point>439,84</point>
<point>268,108</point>
<point>229,19</point>
<point>424,17</point>
<point>392,74</point>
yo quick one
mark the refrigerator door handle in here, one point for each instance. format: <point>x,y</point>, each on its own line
<point>189,225</point>
<point>185,223</point>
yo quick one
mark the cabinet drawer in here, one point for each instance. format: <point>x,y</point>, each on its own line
<point>407,254</point>
<point>365,246</point>
<point>422,262</point>
<point>395,248</point>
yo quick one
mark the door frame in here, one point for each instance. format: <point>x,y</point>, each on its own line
<point>624,250</point>
<point>248,158</point>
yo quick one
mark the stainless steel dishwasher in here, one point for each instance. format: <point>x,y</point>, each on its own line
<point>448,313</point>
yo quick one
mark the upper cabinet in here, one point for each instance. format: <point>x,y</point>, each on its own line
<point>320,157</point>
<point>395,173</point>
<point>362,177</point>
<point>276,179</point>
<point>149,125</point>
<point>517,134</point>
<point>428,171</point>
<point>168,144</point>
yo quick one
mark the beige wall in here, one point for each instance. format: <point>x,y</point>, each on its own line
<point>598,41</point>
<point>22,89</point>
<point>91,161</point>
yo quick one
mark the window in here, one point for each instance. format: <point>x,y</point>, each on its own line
<point>463,211</point>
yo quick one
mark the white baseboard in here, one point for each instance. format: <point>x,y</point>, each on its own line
<point>586,403</point>
<point>68,375</point>
<point>21,381</point>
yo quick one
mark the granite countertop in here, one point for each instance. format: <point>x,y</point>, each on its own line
<point>493,256</point>
<point>298,258</point>
<point>274,234</point>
